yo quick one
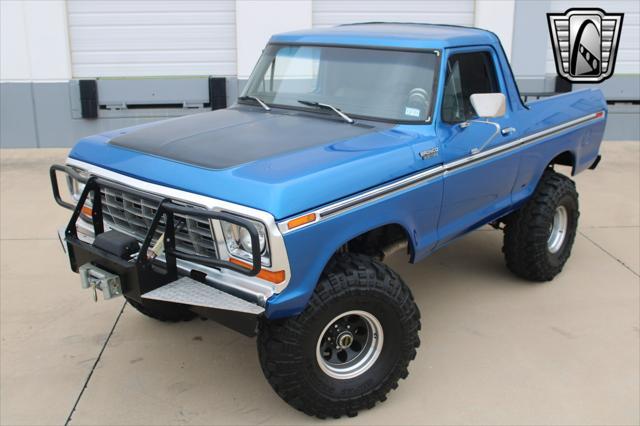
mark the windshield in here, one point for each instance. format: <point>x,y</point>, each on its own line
<point>371,83</point>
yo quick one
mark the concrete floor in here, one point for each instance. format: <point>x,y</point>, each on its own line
<point>496,350</point>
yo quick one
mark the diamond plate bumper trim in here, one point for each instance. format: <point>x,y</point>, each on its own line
<point>191,292</point>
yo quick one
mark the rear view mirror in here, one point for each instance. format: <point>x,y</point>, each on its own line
<point>489,105</point>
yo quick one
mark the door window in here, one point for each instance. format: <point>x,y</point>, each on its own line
<point>467,73</point>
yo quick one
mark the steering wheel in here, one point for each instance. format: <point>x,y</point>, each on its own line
<point>419,98</point>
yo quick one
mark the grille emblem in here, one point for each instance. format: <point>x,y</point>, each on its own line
<point>585,43</point>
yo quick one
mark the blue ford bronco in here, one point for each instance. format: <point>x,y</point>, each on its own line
<point>274,216</point>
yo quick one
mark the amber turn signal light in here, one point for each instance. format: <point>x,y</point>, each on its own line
<point>302,220</point>
<point>87,211</point>
<point>275,277</point>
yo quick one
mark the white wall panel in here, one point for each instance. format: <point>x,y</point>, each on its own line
<point>258,20</point>
<point>497,16</point>
<point>335,12</point>
<point>33,40</point>
<point>14,47</point>
<point>628,59</point>
<point>46,23</point>
<point>152,38</point>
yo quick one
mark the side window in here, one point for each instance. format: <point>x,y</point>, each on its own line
<point>467,73</point>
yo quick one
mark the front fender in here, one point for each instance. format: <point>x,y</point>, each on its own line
<point>310,248</point>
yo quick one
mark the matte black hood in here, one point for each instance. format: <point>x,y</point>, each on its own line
<point>227,138</point>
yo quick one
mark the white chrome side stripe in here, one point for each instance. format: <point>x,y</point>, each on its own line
<point>520,142</point>
<point>430,174</point>
<point>379,192</point>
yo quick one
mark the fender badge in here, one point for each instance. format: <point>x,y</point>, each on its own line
<point>428,153</point>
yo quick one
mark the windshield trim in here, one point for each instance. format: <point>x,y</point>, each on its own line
<point>436,78</point>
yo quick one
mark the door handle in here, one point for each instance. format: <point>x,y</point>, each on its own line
<point>507,131</point>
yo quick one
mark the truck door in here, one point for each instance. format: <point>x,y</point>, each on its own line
<point>477,186</point>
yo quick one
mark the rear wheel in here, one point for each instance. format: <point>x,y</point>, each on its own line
<point>162,311</point>
<point>538,238</point>
<point>349,347</point>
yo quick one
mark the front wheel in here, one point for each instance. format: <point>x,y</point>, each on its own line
<point>349,347</point>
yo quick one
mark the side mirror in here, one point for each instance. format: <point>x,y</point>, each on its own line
<point>489,105</point>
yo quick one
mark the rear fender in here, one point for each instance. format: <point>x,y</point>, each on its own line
<point>577,148</point>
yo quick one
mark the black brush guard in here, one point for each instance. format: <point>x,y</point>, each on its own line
<point>143,274</point>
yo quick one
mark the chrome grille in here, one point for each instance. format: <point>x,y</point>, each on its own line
<point>133,215</point>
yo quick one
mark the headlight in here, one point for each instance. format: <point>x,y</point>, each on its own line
<point>238,241</point>
<point>76,188</point>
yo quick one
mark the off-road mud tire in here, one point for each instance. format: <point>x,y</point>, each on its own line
<point>287,348</point>
<point>527,231</point>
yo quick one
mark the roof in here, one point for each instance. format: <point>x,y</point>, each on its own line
<point>391,34</point>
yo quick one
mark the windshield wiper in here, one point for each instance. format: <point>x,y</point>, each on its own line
<point>342,115</point>
<point>257,99</point>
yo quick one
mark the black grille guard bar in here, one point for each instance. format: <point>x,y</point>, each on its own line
<point>166,208</point>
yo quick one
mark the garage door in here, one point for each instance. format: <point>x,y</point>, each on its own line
<point>628,59</point>
<point>152,38</point>
<point>335,12</point>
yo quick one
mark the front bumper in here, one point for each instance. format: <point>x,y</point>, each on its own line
<point>161,279</point>
<point>154,281</point>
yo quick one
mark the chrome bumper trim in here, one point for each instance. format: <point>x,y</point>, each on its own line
<point>191,292</point>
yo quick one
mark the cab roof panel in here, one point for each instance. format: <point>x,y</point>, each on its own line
<point>392,35</point>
